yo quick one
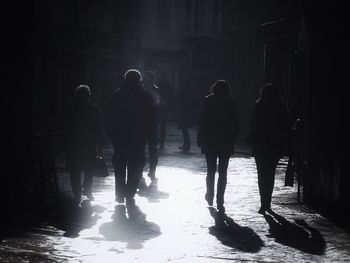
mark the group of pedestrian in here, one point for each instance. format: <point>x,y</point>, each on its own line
<point>132,118</point>
<point>217,134</point>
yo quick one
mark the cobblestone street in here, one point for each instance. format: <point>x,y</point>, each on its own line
<point>172,222</point>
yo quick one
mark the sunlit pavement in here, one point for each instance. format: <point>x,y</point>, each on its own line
<point>172,222</point>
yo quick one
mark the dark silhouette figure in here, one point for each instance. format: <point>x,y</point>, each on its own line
<point>82,140</point>
<point>216,136</point>
<point>129,225</point>
<point>165,101</point>
<point>268,126</point>
<point>294,151</point>
<point>153,141</point>
<point>299,235</point>
<point>184,104</point>
<point>233,235</point>
<point>129,121</point>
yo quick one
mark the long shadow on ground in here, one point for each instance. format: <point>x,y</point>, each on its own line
<point>233,235</point>
<point>73,219</point>
<point>299,235</point>
<point>129,225</point>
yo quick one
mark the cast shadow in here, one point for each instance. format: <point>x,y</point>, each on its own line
<point>72,219</point>
<point>233,235</point>
<point>299,235</point>
<point>152,193</point>
<point>129,225</point>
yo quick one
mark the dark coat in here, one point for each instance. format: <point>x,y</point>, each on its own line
<point>130,117</point>
<point>218,124</point>
<point>268,127</point>
<point>82,134</point>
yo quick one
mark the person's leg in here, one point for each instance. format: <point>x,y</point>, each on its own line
<point>119,160</point>
<point>75,180</point>
<point>210,179</point>
<point>187,142</point>
<point>136,163</point>
<point>153,160</point>
<point>222,181</point>
<point>270,179</point>
<point>87,184</point>
<point>162,132</point>
<point>262,165</point>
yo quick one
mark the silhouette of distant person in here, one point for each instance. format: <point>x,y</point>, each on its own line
<point>83,140</point>
<point>216,136</point>
<point>129,121</point>
<point>184,104</point>
<point>165,95</point>
<point>268,126</point>
<point>153,90</point>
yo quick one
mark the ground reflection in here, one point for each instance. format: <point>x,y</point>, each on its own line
<point>129,225</point>
<point>233,235</point>
<point>299,235</point>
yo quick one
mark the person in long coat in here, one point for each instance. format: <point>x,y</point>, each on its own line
<point>130,122</point>
<point>216,136</point>
<point>83,139</point>
<point>268,126</point>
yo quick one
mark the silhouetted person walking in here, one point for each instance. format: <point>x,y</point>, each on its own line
<point>129,120</point>
<point>82,139</point>
<point>268,125</point>
<point>154,92</point>
<point>184,101</point>
<point>216,136</point>
<point>165,95</point>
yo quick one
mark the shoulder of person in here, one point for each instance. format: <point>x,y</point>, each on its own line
<point>257,103</point>
<point>209,97</point>
<point>115,94</point>
<point>118,93</point>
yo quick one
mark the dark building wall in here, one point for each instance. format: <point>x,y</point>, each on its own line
<point>78,42</point>
<point>50,48</point>
<point>326,180</point>
<point>16,105</point>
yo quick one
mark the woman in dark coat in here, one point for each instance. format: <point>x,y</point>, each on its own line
<point>216,136</point>
<point>268,125</point>
<point>83,137</point>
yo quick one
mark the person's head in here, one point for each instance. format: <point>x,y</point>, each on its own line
<point>82,93</point>
<point>132,77</point>
<point>221,87</point>
<point>148,77</point>
<point>269,93</point>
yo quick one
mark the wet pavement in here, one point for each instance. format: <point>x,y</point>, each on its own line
<point>171,221</point>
